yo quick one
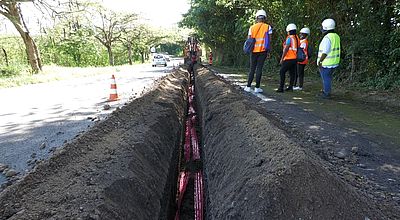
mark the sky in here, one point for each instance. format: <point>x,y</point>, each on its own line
<point>159,13</point>
<point>164,13</point>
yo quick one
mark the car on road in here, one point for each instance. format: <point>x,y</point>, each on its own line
<point>159,59</point>
<point>167,58</point>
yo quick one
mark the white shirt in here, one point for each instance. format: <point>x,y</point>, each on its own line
<point>326,45</point>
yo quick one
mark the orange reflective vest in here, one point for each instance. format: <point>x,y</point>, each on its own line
<point>258,31</point>
<point>305,41</point>
<point>292,52</point>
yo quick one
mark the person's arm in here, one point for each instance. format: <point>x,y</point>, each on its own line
<point>326,45</point>
<point>249,34</point>
<point>270,47</point>
<point>323,56</point>
<point>285,49</point>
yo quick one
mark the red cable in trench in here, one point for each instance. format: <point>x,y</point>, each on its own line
<point>191,140</point>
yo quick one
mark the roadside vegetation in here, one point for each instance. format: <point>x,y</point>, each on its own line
<point>82,34</point>
<point>369,29</point>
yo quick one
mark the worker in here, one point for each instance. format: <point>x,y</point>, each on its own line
<point>304,33</point>
<point>262,32</point>
<point>210,58</point>
<point>289,58</point>
<point>328,55</point>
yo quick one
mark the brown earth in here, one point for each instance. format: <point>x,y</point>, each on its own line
<point>121,169</point>
<point>126,166</point>
<point>262,173</point>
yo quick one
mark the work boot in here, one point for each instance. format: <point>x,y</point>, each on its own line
<point>289,89</point>
<point>258,90</point>
<point>279,90</point>
<point>297,88</point>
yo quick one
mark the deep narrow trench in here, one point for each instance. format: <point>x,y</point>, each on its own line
<point>190,185</point>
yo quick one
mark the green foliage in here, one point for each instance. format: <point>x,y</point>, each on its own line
<point>369,31</point>
<point>75,49</point>
<point>171,48</point>
<point>14,48</point>
<point>9,71</point>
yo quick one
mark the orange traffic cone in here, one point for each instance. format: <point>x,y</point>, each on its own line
<point>113,91</point>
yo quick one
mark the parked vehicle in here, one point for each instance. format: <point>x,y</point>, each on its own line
<point>159,59</point>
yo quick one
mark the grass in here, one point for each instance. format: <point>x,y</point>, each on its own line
<point>354,108</point>
<point>55,73</point>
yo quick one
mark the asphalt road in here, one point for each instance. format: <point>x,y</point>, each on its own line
<point>36,119</point>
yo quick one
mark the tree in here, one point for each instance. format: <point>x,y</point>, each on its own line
<point>12,11</point>
<point>109,26</point>
<point>369,30</point>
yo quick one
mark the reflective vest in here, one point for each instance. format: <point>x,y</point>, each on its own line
<point>305,41</point>
<point>292,52</point>
<point>261,29</point>
<point>333,57</point>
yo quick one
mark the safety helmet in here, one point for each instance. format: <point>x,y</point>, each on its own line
<point>291,27</point>
<point>305,30</point>
<point>328,24</point>
<point>261,13</point>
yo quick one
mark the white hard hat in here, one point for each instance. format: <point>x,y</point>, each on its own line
<point>305,30</point>
<point>291,27</point>
<point>261,13</point>
<point>328,24</point>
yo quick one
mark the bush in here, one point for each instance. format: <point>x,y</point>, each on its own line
<point>8,71</point>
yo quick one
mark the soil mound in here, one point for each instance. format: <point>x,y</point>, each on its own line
<point>254,171</point>
<point>121,169</point>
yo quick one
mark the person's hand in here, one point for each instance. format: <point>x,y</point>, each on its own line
<point>268,55</point>
<point>319,64</point>
<point>281,61</point>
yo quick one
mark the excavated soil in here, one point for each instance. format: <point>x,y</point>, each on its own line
<point>126,166</point>
<point>254,170</point>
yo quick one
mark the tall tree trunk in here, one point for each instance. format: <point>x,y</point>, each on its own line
<point>110,55</point>
<point>142,55</point>
<point>130,53</point>
<point>5,56</point>
<point>31,49</point>
<point>31,52</point>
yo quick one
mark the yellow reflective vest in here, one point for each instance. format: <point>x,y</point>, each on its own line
<point>333,58</point>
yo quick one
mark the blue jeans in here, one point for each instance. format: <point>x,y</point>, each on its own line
<point>326,75</point>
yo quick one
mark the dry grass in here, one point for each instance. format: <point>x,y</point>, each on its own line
<point>54,73</point>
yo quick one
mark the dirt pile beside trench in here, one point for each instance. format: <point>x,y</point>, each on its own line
<point>253,170</point>
<point>121,169</point>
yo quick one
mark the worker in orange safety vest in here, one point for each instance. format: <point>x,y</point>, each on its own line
<point>210,58</point>
<point>262,32</point>
<point>289,58</point>
<point>304,33</point>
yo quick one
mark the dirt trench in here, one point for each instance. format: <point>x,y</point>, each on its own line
<point>123,168</point>
<point>126,166</point>
<point>254,171</point>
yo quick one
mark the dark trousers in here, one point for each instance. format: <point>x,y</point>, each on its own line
<point>300,75</point>
<point>290,65</point>
<point>256,64</point>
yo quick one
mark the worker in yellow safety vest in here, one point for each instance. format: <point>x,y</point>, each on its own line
<point>262,32</point>
<point>328,55</point>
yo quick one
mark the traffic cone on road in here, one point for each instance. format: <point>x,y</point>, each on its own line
<point>113,91</point>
